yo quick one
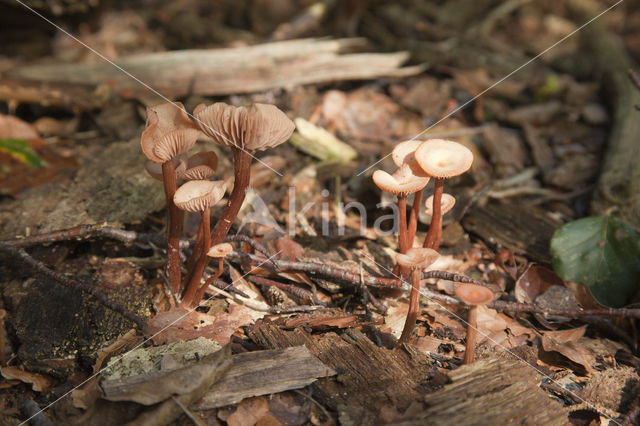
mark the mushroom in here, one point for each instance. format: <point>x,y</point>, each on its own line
<point>199,196</point>
<point>200,166</point>
<point>446,204</point>
<point>219,251</point>
<point>404,153</point>
<point>400,183</point>
<point>169,133</point>
<point>155,169</point>
<point>441,159</point>
<point>473,295</point>
<point>245,130</point>
<point>416,259</point>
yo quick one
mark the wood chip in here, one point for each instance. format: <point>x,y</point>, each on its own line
<point>265,372</point>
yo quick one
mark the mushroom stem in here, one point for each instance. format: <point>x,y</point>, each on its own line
<point>207,283</point>
<point>202,261</point>
<point>472,334</point>
<point>432,240</point>
<point>174,227</point>
<point>402,223</point>
<point>413,218</point>
<point>242,175</point>
<point>412,313</point>
<point>195,254</point>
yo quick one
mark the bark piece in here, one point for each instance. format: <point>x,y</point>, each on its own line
<point>493,391</point>
<point>265,372</point>
<point>368,376</point>
<point>234,70</point>
<point>525,229</point>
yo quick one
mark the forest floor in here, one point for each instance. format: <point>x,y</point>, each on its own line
<point>302,344</point>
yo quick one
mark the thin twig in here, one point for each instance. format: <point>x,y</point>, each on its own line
<point>21,254</point>
<point>298,292</point>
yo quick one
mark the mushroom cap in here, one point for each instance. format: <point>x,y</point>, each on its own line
<point>163,119</point>
<point>174,143</point>
<point>200,166</point>
<point>417,258</point>
<point>197,195</point>
<point>155,169</point>
<point>404,153</point>
<point>220,250</point>
<point>448,201</point>
<point>474,294</point>
<point>253,128</point>
<point>441,158</point>
<point>401,182</point>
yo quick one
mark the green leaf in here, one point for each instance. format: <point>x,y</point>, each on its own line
<point>20,149</point>
<point>601,252</point>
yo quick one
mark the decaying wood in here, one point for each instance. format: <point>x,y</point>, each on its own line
<point>525,229</point>
<point>169,410</point>
<point>619,183</point>
<point>264,372</point>
<point>78,97</point>
<point>230,71</point>
<point>492,391</point>
<point>368,376</point>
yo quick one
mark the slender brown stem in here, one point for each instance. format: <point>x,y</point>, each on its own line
<point>207,283</point>
<point>412,313</point>
<point>413,218</point>
<point>242,176</point>
<point>432,240</point>
<point>202,261</point>
<point>402,223</point>
<point>472,334</point>
<point>174,227</point>
<point>195,255</point>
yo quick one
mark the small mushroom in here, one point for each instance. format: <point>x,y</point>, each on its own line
<point>245,130</point>
<point>404,153</point>
<point>416,259</point>
<point>199,196</point>
<point>441,159</point>
<point>200,166</point>
<point>473,295</point>
<point>219,251</point>
<point>447,203</point>
<point>169,133</point>
<point>401,183</point>
<point>155,169</point>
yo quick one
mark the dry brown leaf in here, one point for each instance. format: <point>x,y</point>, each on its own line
<point>181,324</point>
<point>534,281</point>
<point>39,382</point>
<point>566,343</point>
<point>249,412</point>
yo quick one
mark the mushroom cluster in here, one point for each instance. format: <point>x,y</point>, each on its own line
<point>417,162</point>
<point>168,136</point>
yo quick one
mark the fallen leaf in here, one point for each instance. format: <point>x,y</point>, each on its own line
<point>39,382</point>
<point>181,324</point>
<point>534,281</point>
<point>565,342</point>
<point>249,411</point>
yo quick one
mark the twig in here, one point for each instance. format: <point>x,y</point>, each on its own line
<point>314,268</point>
<point>94,291</point>
<point>291,289</point>
<point>36,415</point>
<point>253,243</point>
<point>327,271</point>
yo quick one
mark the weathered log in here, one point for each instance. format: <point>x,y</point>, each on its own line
<point>228,71</point>
<point>619,182</point>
